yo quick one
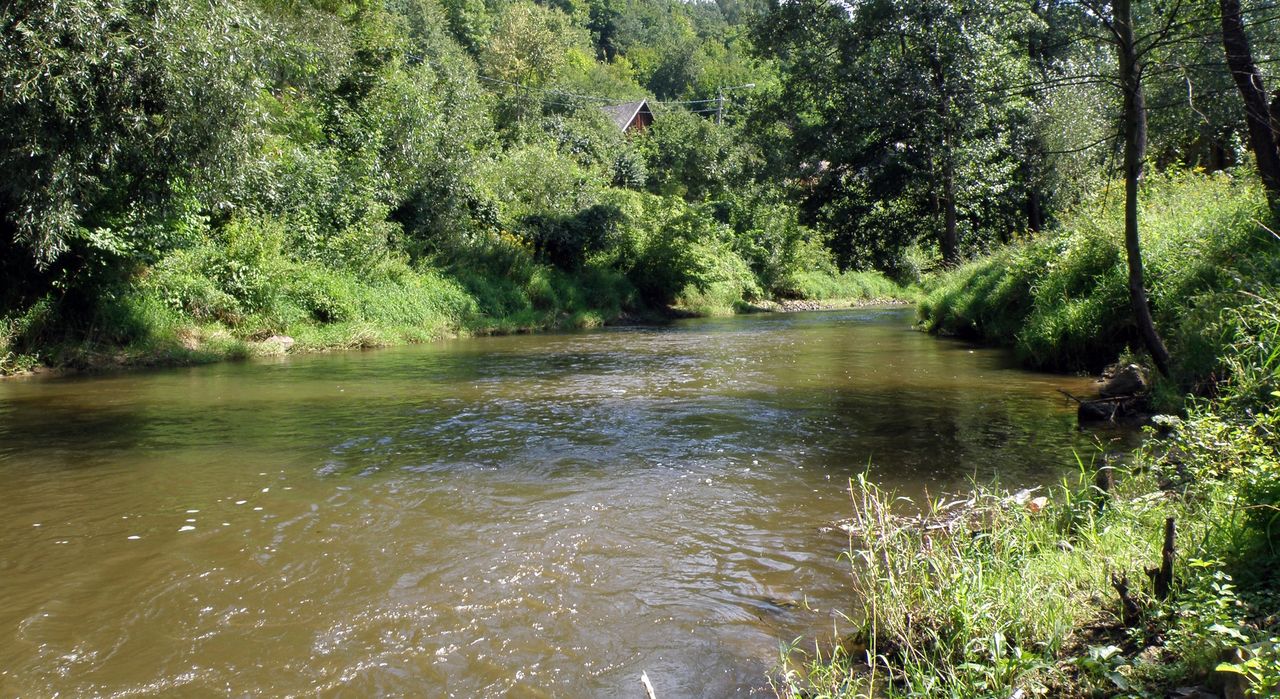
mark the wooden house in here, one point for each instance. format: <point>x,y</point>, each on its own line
<point>630,116</point>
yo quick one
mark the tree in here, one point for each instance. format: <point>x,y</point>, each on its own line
<point>1135,155</point>
<point>1133,49</point>
<point>123,121</point>
<point>529,45</point>
<point>108,105</point>
<point>602,20</point>
<point>691,156</point>
<point>1263,122</point>
<point>894,95</point>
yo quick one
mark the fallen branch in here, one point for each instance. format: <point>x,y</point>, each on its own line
<point>1079,401</point>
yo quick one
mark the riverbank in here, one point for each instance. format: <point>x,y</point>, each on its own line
<point>145,332</point>
<point>1060,299</point>
<point>804,305</point>
<point>1018,594</point>
<point>1069,592</point>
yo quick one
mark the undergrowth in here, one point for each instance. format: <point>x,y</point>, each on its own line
<point>1060,299</point>
<point>231,291</point>
<point>1016,596</point>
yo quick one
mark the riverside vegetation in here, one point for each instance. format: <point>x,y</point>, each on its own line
<point>990,596</point>
<point>186,179</point>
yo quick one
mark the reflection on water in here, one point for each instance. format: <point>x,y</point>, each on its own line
<point>528,516</point>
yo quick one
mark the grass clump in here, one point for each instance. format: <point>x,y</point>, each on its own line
<point>850,285</point>
<point>1010,597</point>
<point>12,362</point>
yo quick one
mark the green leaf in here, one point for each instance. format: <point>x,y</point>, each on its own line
<point>1227,631</point>
<point>1103,652</point>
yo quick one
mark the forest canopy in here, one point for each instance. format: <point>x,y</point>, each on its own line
<point>256,163</point>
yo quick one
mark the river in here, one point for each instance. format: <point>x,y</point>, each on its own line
<point>528,516</point>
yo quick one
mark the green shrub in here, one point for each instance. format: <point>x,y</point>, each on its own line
<point>567,241</point>
<point>722,282</point>
<point>679,250</point>
<point>180,281</point>
<point>12,361</point>
<point>325,296</point>
<point>769,236</point>
<point>628,170</point>
<point>536,180</point>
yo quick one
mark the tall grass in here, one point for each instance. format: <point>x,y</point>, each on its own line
<point>1060,299</point>
<point>12,361</point>
<point>848,285</point>
<point>1008,596</point>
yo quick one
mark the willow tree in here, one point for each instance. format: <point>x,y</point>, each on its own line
<point>109,108</point>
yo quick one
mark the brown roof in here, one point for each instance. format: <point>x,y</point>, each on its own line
<point>623,114</point>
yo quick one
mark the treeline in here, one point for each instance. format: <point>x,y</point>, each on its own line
<point>959,125</point>
<point>367,171</point>
<point>189,174</point>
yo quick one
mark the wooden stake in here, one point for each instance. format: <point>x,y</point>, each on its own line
<point>1162,578</point>
<point>1104,480</point>
<point>1130,613</point>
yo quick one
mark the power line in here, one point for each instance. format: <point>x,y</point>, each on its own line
<point>605,101</point>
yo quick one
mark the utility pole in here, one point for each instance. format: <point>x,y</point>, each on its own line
<point>720,99</point>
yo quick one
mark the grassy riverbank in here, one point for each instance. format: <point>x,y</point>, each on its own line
<point>1060,299</point>
<point>189,310</point>
<point>999,593</point>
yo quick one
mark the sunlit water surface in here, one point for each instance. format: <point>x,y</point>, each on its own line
<point>516,516</point>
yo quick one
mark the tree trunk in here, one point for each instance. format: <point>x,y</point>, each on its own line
<point>950,242</point>
<point>1259,116</point>
<point>1135,153</point>
<point>1275,114</point>
<point>950,237</point>
<point>1035,216</point>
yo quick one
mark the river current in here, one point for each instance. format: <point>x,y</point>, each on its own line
<point>526,516</point>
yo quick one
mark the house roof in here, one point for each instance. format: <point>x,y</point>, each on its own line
<point>623,114</point>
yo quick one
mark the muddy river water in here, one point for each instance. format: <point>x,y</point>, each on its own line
<point>526,516</point>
